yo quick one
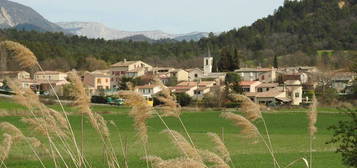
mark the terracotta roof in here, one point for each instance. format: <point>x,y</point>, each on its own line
<point>123,63</point>
<point>48,73</point>
<point>246,83</point>
<point>267,85</point>
<point>253,70</point>
<point>146,86</point>
<point>272,93</point>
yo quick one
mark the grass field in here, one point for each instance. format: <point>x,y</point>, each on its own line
<point>288,133</point>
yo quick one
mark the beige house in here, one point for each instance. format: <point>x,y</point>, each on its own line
<point>271,97</point>
<point>249,86</point>
<point>19,75</point>
<point>261,74</point>
<point>128,69</point>
<point>96,81</point>
<point>264,87</point>
<point>50,75</point>
<point>194,74</point>
<point>294,91</point>
<point>189,89</point>
<point>167,72</point>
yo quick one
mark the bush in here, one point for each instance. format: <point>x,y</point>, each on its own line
<point>99,99</point>
<point>183,99</point>
<point>345,134</point>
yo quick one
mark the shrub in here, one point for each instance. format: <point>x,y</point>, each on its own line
<point>183,99</point>
<point>345,134</point>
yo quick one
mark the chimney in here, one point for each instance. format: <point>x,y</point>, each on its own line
<point>124,59</point>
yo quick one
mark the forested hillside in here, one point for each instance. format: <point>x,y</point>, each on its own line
<point>307,32</point>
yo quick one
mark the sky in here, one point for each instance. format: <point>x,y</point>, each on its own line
<point>171,16</point>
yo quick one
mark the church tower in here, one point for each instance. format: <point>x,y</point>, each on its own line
<point>208,63</point>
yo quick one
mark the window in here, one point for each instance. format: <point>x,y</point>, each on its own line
<point>297,95</point>
<point>196,75</point>
<point>99,81</point>
<point>106,80</point>
<point>260,89</point>
<point>206,61</point>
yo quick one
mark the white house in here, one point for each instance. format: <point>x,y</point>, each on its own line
<point>249,86</point>
<point>148,90</point>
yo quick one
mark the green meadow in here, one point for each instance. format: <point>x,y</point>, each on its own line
<point>288,132</point>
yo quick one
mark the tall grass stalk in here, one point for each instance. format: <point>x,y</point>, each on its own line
<point>312,117</point>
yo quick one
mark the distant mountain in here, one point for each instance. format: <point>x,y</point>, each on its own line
<point>15,15</point>
<point>98,30</point>
<point>138,38</point>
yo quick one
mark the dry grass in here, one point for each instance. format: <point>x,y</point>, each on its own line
<point>250,109</point>
<point>22,54</point>
<point>140,112</point>
<point>248,129</point>
<point>214,159</point>
<point>220,147</point>
<point>183,145</point>
<point>170,107</point>
<point>175,163</point>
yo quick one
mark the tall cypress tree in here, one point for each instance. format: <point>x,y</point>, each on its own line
<point>236,60</point>
<point>224,63</point>
<point>275,63</point>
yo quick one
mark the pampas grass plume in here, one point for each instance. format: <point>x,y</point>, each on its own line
<point>220,148</point>
<point>247,128</point>
<point>22,54</point>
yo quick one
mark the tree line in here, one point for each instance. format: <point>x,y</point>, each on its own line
<point>307,32</point>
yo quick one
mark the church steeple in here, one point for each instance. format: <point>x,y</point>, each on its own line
<point>208,63</point>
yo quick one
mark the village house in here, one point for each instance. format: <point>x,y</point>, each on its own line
<point>148,90</point>
<point>249,86</point>
<point>342,82</point>
<point>272,97</point>
<point>50,75</point>
<point>19,75</point>
<point>126,68</point>
<point>301,76</point>
<point>264,87</point>
<point>188,89</point>
<point>96,82</point>
<point>293,89</point>
<point>194,74</point>
<point>165,73</point>
<point>261,74</point>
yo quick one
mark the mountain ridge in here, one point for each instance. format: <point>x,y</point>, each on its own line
<point>13,14</point>
<point>99,30</point>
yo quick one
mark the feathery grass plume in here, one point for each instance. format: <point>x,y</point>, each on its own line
<point>213,158</point>
<point>247,128</point>
<point>250,109</point>
<point>220,148</point>
<point>312,116</point>
<point>22,54</point>
<point>82,101</point>
<point>157,162</point>
<point>12,130</point>
<point>140,112</point>
<point>170,107</point>
<point>5,147</point>
<point>183,145</point>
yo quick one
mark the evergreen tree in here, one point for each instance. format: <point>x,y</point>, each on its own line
<point>224,63</point>
<point>236,60</point>
<point>275,63</point>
